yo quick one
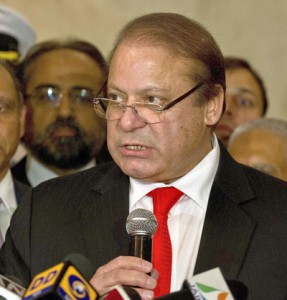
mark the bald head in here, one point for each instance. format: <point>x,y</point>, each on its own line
<point>261,144</point>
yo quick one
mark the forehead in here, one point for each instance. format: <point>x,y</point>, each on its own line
<point>241,78</point>
<point>263,141</point>
<point>143,64</point>
<point>64,63</point>
<point>7,85</point>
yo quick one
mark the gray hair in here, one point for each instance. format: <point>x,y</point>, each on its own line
<point>183,37</point>
<point>273,125</point>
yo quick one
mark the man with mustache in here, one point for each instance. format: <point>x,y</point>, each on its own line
<point>63,133</point>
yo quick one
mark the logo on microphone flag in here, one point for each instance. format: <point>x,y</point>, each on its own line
<point>211,293</point>
<point>210,285</point>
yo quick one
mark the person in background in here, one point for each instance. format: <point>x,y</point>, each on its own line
<point>165,95</point>
<point>246,97</point>
<point>17,36</point>
<point>63,134</point>
<point>261,144</point>
<point>12,117</point>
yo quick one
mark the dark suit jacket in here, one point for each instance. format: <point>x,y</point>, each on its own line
<point>19,170</point>
<point>20,190</point>
<point>244,232</point>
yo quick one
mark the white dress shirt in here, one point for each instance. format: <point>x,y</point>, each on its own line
<point>186,217</point>
<point>8,203</point>
<point>38,172</point>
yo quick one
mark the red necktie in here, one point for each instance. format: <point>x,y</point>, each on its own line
<point>163,200</point>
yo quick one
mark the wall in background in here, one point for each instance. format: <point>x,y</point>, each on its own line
<point>255,30</point>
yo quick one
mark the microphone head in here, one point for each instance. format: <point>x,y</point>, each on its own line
<point>141,222</point>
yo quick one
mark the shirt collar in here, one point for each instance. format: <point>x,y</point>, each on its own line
<point>38,172</point>
<point>196,184</point>
<point>7,191</point>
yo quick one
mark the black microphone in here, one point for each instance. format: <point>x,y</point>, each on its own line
<point>238,289</point>
<point>10,288</point>
<point>63,281</point>
<point>141,225</point>
<point>185,294</point>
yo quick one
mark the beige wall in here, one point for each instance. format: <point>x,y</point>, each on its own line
<point>253,29</point>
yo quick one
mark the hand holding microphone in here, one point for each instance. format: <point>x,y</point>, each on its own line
<point>131,270</point>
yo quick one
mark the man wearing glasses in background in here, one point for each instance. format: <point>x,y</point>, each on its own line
<point>63,134</point>
<point>165,95</point>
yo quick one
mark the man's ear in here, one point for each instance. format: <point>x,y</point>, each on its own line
<point>214,107</point>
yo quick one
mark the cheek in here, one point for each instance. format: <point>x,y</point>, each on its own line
<point>10,132</point>
<point>37,122</point>
<point>91,124</point>
<point>247,115</point>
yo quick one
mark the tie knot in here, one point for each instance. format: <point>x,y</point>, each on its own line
<point>164,199</point>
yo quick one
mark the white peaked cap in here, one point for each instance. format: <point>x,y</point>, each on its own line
<point>12,23</point>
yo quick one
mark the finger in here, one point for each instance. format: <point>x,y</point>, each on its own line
<point>127,263</point>
<point>154,274</point>
<point>145,294</point>
<point>131,278</point>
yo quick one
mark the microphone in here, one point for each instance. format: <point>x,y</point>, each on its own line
<point>238,289</point>
<point>184,294</point>
<point>63,281</point>
<point>211,283</point>
<point>10,288</point>
<point>119,292</point>
<point>141,225</point>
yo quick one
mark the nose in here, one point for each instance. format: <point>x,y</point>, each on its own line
<point>229,110</point>
<point>129,120</point>
<point>65,106</point>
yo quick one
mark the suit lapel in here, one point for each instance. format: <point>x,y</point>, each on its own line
<point>227,228</point>
<point>20,190</point>
<point>104,214</point>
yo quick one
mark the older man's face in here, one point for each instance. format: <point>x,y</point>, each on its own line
<point>167,150</point>
<point>12,116</point>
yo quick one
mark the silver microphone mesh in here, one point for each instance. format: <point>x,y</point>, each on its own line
<point>141,222</point>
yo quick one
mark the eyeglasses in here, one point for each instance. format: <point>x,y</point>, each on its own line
<point>51,95</point>
<point>146,112</point>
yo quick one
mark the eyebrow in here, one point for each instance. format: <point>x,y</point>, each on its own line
<point>145,90</point>
<point>47,85</point>
<point>241,91</point>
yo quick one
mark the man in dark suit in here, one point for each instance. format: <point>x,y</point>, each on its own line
<point>12,115</point>
<point>165,96</point>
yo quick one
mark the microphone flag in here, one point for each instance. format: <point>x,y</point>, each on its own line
<point>210,285</point>
<point>62,281</point>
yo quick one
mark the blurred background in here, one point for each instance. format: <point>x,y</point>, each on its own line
<point>252,29</point>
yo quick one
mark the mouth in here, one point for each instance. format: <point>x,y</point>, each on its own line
<point>224,128</point>
<point>135,147</point>
<point>64,131</point>
<point>135,150</point>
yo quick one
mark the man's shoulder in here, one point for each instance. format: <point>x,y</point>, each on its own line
<point>106,171</point>
<point>242,183</point>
